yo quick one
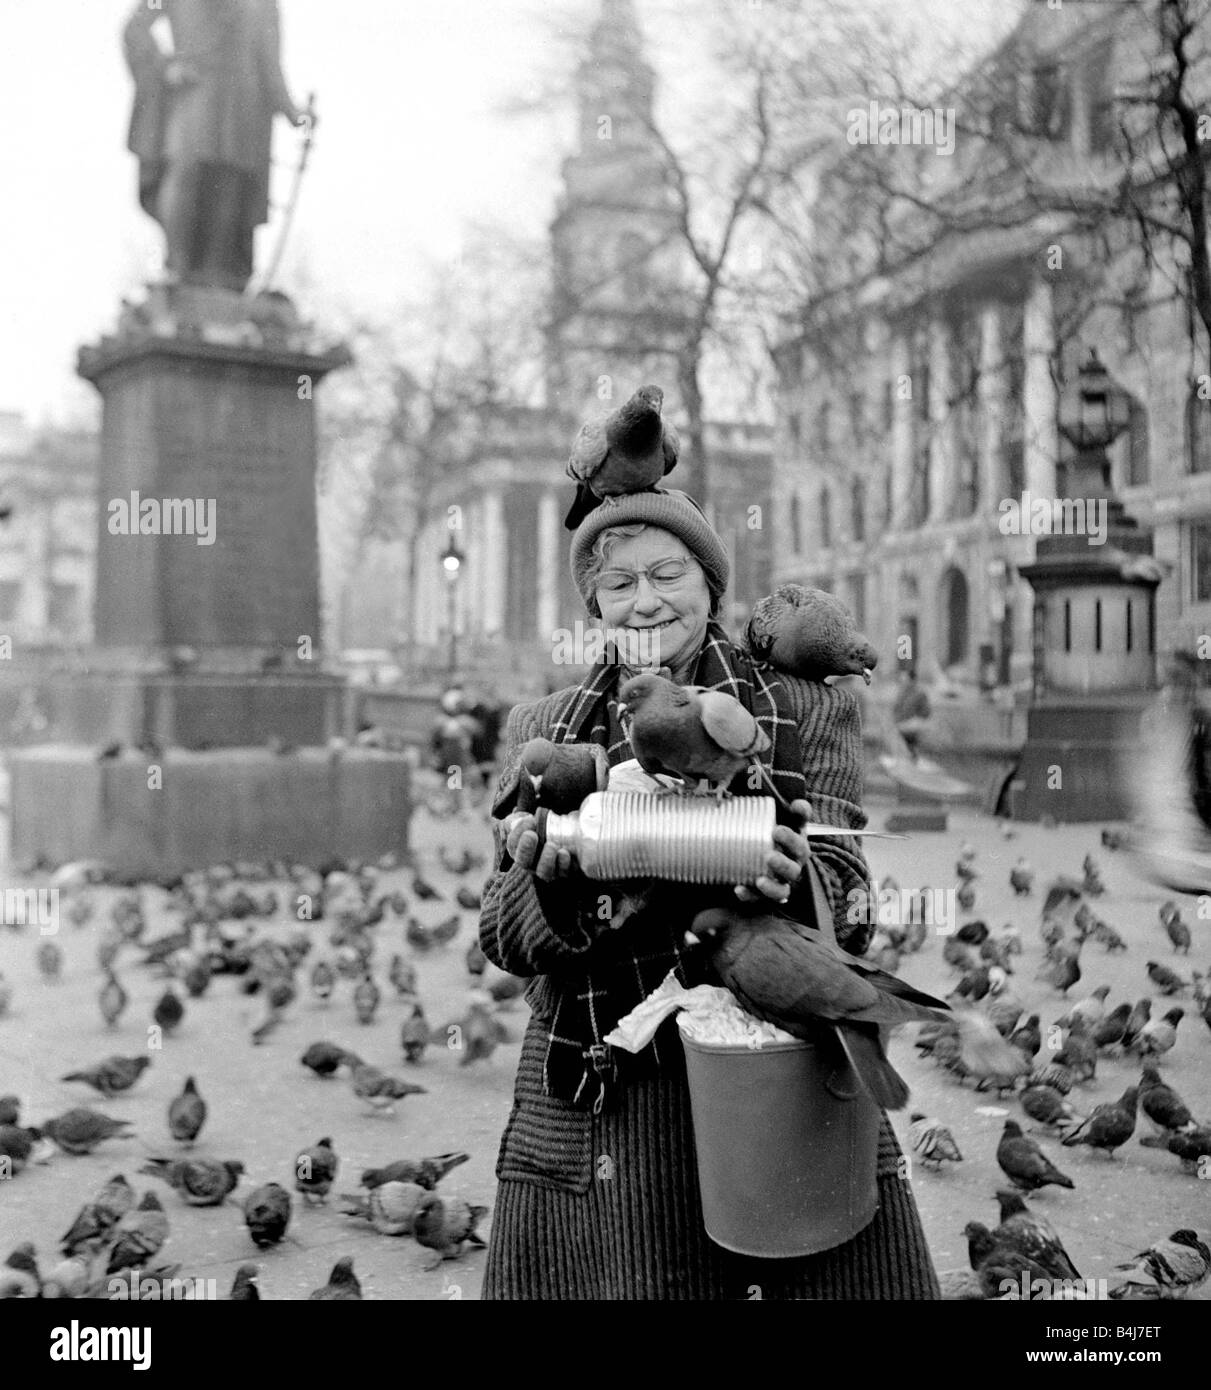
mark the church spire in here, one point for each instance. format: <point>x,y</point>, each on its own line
<point>614,83</point>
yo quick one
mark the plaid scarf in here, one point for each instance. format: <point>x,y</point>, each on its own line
<point>631,961</point>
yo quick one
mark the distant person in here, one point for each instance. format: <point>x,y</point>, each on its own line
<point>485,736</point>
<point>911,711</point>
<point>450,745</point>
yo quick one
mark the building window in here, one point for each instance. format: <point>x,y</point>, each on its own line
<point>857,498</point>
<point>1139,463</point>
<point>10,597</point>
<point>1097,78</point>
<point>1200,562</point>
<point>1048,107</point>
<point>957,617</point>
<point>1198,433</point>
<point>857,598</point>
<point>921,433</point>
<point>824,428</point>
<point>826,519</point>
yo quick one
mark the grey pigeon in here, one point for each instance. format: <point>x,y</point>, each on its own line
<point>628,450</point>
<point>686,732</point>
<point>808,633</point>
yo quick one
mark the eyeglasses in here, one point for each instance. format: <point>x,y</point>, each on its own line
<point>664,575</point>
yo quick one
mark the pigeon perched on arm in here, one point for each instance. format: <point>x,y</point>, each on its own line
<point>628,450</point>
<point>686,732</point>
<point>808,633</point>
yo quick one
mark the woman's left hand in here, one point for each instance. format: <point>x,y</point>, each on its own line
<point>784,864</point>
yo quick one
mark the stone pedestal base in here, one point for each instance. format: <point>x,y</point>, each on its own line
<point>1086,747</point>
<point>195,711</point>
<point>233,803</point>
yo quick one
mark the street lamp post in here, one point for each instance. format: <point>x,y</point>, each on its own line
<point>452,560</point>
<point>1094,581</point>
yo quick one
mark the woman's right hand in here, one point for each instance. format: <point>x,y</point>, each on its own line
<point>522,843</point>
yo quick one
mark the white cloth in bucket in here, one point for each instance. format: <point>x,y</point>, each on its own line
<point>709,1014</point>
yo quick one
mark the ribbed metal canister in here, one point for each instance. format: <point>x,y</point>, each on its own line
<point>687,839</point>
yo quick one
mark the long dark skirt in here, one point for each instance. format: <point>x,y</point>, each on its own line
<point>637,1232</point>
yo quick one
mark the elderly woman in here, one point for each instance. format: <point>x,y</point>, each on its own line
<point>598,1194</point>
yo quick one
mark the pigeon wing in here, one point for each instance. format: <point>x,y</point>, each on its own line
<point>671,444</point>
<point>589,450</point>
<point>731,726</point>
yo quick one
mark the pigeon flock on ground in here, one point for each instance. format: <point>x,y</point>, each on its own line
<point>1061,1091</point>
<point>1085,1073</point>
<point>330,943</point>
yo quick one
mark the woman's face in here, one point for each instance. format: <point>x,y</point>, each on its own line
<point>678,613</point>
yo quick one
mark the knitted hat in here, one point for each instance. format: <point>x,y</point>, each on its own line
<point>672,511</point>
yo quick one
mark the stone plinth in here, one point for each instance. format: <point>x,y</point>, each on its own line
<point>214,806</point>
<point>230,426</point>
<point>1090,743</point>
<point>207,554</point>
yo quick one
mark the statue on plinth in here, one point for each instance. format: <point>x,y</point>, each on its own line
<point>201,127</point>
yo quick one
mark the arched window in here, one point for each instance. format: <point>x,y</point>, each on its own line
<point>1132,451</point>
<point>955,600</point>
<point>826,519</point>
<point>1198,433</point>
<point>857,503</point>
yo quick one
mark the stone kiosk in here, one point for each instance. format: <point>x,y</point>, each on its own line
<point>203,726</point>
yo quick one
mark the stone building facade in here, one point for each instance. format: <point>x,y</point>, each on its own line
<point>893,474</point>
<point>48,477</point>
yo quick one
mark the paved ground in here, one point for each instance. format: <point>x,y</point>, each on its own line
<point>264,1107</point>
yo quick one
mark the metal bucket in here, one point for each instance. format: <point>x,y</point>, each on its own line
<point>787,1154</point>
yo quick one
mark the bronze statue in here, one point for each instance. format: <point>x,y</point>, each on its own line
<point>201,127</point>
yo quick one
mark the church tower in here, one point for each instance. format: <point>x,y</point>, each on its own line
<point>618,258</point>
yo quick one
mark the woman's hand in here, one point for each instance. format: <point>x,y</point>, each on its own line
<point>784,864</point>
<point>522,843</point>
